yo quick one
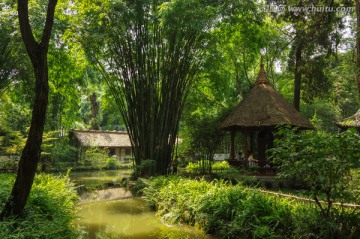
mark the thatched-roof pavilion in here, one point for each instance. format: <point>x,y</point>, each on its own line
<point>258,114</point>
<point>350,122</point>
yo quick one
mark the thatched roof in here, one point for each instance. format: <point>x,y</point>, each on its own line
<point>264,107</point>
<point>98,138</point>
<point>351,122</point>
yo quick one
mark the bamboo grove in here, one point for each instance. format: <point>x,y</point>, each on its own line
<point>151,58</point>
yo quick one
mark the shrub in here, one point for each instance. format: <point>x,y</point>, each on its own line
<point>220,166</point>
<point>8,164</point>
<point>236,212</point>
<point>96,157</point>
<point>146,168</point>
<point>207,166</point>
<point>49,212</point>
<point>217,207</point>
<point>241,212</point>
<point>62,151</point>
<point>112,163</point>
<point>321,163</point>
<point>193,168</point>
<point>250,181</point>
<point>268,184</point>
<point>13,143</point>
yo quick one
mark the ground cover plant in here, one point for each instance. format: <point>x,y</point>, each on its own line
<point>49,212</point>
<point>208,166</point>
<point>242,212</point>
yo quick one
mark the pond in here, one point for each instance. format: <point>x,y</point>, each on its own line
<point>115,213</point>
<point>99,178</point>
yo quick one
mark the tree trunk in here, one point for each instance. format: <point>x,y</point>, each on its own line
<point>297,83</point>
<point>31,153</point>
<point>358,45</point>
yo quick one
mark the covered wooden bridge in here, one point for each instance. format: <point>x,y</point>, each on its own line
<point>256,117</point>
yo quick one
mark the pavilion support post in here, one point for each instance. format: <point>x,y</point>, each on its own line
<point>232,145</point>
<point>252,141</point>
<point>245,143</point>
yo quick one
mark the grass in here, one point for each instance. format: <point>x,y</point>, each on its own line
<point>237,211</point>
<point>49,213</point>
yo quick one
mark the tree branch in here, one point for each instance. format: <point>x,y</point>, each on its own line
<point>48,24</point>
<point>25,29</point>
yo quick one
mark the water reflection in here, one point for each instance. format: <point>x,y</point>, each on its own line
<point>99,177</point>
<point>126,218</point>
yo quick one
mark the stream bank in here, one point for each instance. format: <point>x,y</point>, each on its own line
<point>116,213</point>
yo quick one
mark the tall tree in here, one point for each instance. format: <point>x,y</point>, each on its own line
<point>94,114</point>
<point>309,33</point>
<point>37,52</point>
<point>152,51</point>
<point>358,44</point>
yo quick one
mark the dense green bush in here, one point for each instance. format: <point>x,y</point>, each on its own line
<point>96,157</point>
<point>112,163</point>
<point>49,212</point>
<point>8,164</point>
<point>193,168</point>
<point>220,166</point>
<point>12,143</point>
<point>322,163</point>
<point>146,168</point>
<point>207,166</point>
<point>241,212</point>
<point>62,151</point>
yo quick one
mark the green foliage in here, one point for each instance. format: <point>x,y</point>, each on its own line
<point>207,166</point>
<point>13,143</point>
<point>95,156</point>
<point>241,212</point>
<point>201,132</point>
<point>220,166</point>
<point>198,167</point>
<point>257,216</point>
<point>62,151</point>
<point>174,197</point>
<point>8,164</point>
<point>250,181</point>
<point>146,168</point>
<point>355,184</point>
<point>321,162</point>
<point>13,64</point>
<point>14,116</point>
<point>176,35</point>
<point>179,231</point>
<point>323,113</point>
<point>112,163</point>
<point>49,213</point>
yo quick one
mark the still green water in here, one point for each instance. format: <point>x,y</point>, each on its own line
<point>97,178</point>
<point>126,218</point>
